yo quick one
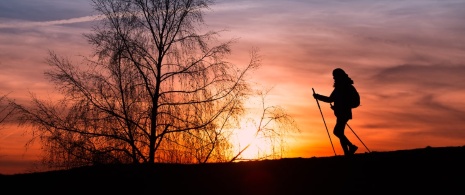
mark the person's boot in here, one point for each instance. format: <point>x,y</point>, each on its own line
<point>352,149</point>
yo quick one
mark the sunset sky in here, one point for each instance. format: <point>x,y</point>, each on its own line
<point>407,59</point>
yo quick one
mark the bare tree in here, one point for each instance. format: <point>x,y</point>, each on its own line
<point>6,109</point>
<point>159,91</point>
<point>156,90</point>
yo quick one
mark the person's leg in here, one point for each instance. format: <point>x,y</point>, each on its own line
<point>347,146</point>
<point>339,133</point>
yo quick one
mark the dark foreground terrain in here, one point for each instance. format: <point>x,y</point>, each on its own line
<point>427,170</point>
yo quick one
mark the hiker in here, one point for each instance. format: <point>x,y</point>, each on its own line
<point>342,108</point>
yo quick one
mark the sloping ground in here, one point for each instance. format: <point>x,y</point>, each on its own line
<point>432,170</point>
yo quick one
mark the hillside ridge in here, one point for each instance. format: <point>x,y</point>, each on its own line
<point>427,169</point>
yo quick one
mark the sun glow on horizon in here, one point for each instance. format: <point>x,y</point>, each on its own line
<point>253,141</point>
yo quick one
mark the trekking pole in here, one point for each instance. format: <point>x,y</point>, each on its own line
<point>324,123</point>
<point>358,137</point>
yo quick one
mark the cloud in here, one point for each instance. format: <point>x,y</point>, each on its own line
<point>415,103</point>
<point>441,77</point>
<point>28,24</point>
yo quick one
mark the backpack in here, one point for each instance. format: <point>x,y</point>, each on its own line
<point>354,98</point>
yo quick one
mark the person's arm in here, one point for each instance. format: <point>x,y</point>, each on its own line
<point>323,98</point>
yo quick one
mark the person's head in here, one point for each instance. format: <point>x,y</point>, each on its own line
<point>341,77</point>
<point>339,73</point>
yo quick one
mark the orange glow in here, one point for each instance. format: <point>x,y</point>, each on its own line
<point>405,57</point>
<point>255,146</point>
<point>15,156</point>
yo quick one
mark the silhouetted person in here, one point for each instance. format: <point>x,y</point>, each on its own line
<point>342,109</point>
